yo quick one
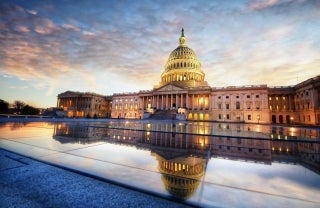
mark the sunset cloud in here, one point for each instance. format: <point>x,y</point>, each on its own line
<point>123,46</point>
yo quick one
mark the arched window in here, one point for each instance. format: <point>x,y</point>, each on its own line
<point>185,65</point>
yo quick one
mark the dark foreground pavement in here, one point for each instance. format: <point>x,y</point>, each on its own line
<point>28,183</point>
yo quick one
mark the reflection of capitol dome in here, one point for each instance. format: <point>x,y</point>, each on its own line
<point>181,175</point>
<point>183,68</point>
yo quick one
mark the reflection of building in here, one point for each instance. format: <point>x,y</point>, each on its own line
<point>183,93</point>
<point>181,175</point>
<point>65,133</point>
<point>183,151</point>
<point>78,104</point>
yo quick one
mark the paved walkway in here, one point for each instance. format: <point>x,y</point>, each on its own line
<point>28,183</point>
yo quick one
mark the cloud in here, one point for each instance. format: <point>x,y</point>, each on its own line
<point>23,29</point>
<point>33,12</point>
<point>70,27</point>
<point>45,26</point>
<point>262,4</point>
<point>127,44</point>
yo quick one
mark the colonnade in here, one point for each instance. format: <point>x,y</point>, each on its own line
<point>175,101</point>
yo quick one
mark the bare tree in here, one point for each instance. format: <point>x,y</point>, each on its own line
<point>18,105</point>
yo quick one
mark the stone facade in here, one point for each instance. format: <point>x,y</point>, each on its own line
<point>84,105</point>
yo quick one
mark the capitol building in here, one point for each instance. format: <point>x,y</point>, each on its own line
<point>183,94</point>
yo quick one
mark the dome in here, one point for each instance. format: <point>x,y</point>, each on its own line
<point>183,67</point>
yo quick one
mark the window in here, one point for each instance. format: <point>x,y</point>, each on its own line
<point>238,105</point>
<point>237,96</point>
<point>219,97</point>
<point>219,116</point>
<point>249,117</point>
<point>227,106</point>
<point>228,117</point>
<point>227,97</point>
<point>219,105</point>
<point>248,96</point>
<point>270,98</point>
<point>257,96</point>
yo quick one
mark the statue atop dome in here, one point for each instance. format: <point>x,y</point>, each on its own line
<point>182,39</point>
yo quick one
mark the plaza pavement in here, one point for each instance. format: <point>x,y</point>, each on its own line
<point>25,182</point>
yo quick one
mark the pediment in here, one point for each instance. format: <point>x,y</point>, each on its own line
<point>169,87</point>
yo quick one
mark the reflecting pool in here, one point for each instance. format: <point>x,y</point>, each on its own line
<point>204,164</point>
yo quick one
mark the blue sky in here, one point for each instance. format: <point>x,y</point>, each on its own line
<point>106,47</point>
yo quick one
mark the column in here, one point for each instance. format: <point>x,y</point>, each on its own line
<point>176,101</point>
<point>153,101</point>
<point>161,101</point>
<point>167,101</point>
<point>157,101</point>
<point>187,100</point>
<point>192,102</point>
<point>171,100</point>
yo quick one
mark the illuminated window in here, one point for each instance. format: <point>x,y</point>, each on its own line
<point>270,98</point>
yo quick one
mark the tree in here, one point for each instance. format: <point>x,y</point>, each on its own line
<point>4,106</point>
<point>18,105</point>
<point>29,110</point>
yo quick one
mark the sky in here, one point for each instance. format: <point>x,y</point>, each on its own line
<point>49,47</point>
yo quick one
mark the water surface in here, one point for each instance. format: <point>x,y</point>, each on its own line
<point>207,164</point>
